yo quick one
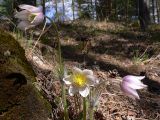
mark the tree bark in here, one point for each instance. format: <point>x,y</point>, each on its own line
<point>153,13</point>
<point>126,11</point>
<point>63,10</point>
<point>73,9</point>
<point>102,9</point>
<point>116,9</point>
<point>43,5</point>
<point>158,10</point>
<point>144,14</point>
<point>109,8</point>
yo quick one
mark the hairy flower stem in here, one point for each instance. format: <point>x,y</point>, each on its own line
<point>84,108</point>
<point>66,117</point>
<point>91,114</point>
<point>61,71</point>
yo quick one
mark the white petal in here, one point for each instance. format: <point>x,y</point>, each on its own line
<point>91,80</point>
<point>84,91</point>
<point>31,8</point>
<point>67,80</point>
<point>38,19</point>
<point>23,15</point>
<point>130,92</point>
<point>65,72</point>
<point>24,25</point>
<point>77,70</point>
<point>87,72</point>
<point>72,90</point>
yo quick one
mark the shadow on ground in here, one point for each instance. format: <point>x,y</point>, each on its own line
<point>69,54</point>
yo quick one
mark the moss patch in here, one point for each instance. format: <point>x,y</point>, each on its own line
<point>18,101</point>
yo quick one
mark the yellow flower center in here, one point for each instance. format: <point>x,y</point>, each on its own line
<point>79,80</point>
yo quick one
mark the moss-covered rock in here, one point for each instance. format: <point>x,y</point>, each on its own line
<point>19,99</point>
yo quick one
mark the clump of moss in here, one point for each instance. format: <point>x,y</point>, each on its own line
<point>18,102</point>
<point>16,61</point>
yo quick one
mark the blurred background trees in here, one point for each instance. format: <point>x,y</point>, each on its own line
<point>142,12</point>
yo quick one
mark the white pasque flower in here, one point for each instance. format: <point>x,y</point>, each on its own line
<point>130,84</point>
<point>29,17</point>
<point>80,81</point>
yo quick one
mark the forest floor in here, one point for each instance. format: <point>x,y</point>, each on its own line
<point>112,51</point>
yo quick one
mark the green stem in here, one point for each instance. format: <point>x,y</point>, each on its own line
<point>79,8</point>
<point>59,46</point>
<point>84,109</point>
<point>91,115</point>
<point>66,116</point>
<point>61,71</point>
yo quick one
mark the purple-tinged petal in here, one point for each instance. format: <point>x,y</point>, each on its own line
<point>139,77</point>
<point>22,15</point>
<point>38,19</point>
<point>129,91</point>
<point>135,86</point>
<point>31,8</point>
<point>24,25</point>
<point>130,83</point>
<point>133,79</point>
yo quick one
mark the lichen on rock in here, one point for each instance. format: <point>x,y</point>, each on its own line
<point>19,99</point>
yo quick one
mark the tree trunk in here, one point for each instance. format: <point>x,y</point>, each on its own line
<point>102,9</point>
<point>92,11</point>
<point>158,10</point>
<point>80,8</point>
<point>73,9</point>
<point>109,8</point>
<point>153,8</point>
<point>144,15</point>
<point>57,15</point>
<point>63,10</point>
<point>115,9</point>
<point>126,11</point>
<point>137,7</point>
<point>43,5</point>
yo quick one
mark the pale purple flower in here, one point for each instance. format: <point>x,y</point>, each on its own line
<point>29,17</point>
<point>130,84</point>
<point>80,81</point>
